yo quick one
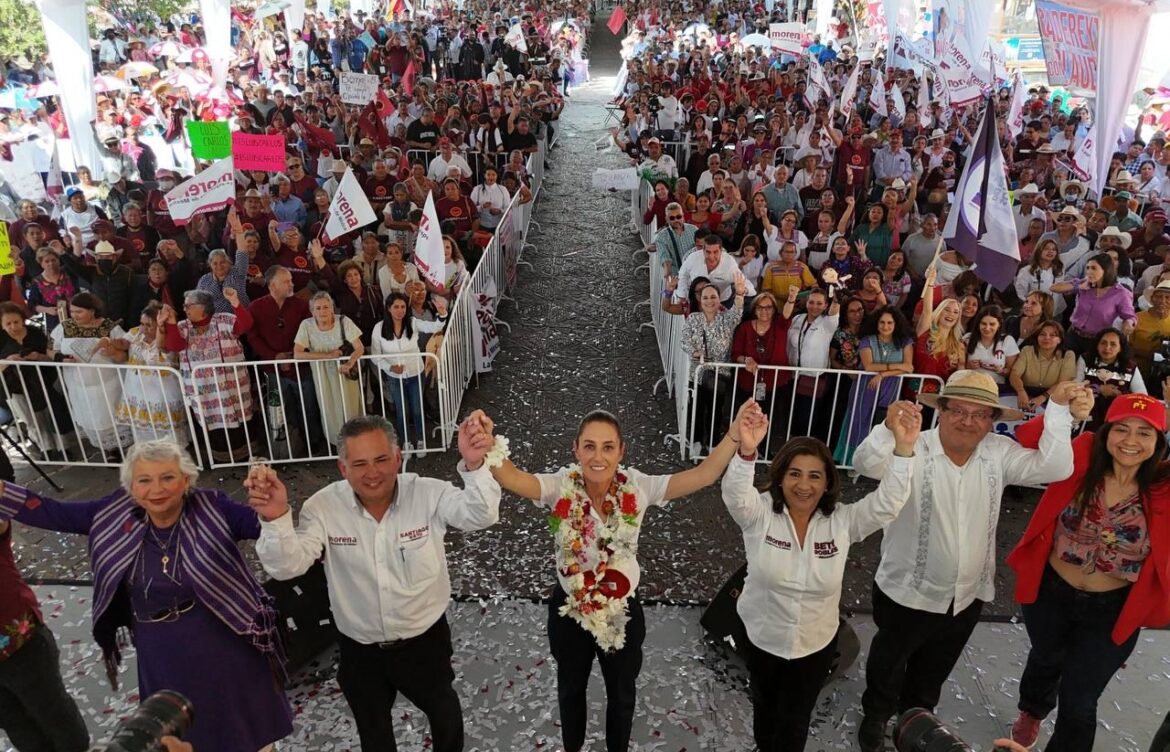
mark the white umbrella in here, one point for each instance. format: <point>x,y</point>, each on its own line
<point>167,48</point>
<point>188,55</point>
<point>194,81</point>
<point>44,90</point>
<point>756,40</point>
<point>104,84</point>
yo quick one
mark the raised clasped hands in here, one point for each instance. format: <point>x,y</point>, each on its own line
<point>475,438</point>
<point>904,419</point>
<point>266,493</point>
<point>750,426</point>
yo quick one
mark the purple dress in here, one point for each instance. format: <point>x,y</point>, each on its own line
<point>238,705</point>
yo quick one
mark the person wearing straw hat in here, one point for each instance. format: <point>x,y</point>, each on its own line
<point>1072,246</point>
<point>938,556</point>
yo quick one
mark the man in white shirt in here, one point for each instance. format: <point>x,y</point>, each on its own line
<point>336,172</point>
<point>657,161</point>
<point>490,198</point>
<point>1025,211</point>
<point>382,536</point>
<point>441,165</point>
<point>713,264</point>
<point>938,556</point>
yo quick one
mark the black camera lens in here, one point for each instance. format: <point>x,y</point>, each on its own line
<point>919,730</point>
<point>164,713</point>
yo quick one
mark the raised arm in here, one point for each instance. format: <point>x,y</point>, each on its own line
<point>30,508</point>
<point>709,470</point>
<point>284,551</point>
<point>927,302</point>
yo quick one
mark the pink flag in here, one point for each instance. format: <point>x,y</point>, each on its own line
<point>616,20</point>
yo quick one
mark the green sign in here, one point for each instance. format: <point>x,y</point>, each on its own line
<point>210,140</point>
<point>7,263</point>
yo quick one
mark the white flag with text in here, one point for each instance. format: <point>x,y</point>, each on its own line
<point>428,246</point>
<point>350,209</point>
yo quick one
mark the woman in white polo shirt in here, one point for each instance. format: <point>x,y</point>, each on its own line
<point>797,540</point>
<point>595,509</point>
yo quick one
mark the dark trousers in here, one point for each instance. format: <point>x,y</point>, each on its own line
<point>1070,634</point>
<point>784,694</point>
<point>573,648</point>
<point>371,677</point>
<point>912,654</point>
<point>35,710</point>
<point>1161,741</point>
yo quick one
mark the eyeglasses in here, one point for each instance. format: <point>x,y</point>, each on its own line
<point>768,307</point>
<point>167,615</point>
<point>296,166</point>
<point>675,216</point>
<point>1064,219</point>
<point>974,416</point>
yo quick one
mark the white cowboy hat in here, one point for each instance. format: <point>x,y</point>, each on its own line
<point>1112,232</point>
<point>1029,188</point>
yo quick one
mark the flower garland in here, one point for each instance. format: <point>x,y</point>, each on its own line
<point>596,597</point>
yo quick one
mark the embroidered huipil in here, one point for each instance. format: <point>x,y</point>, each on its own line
<point>941,547</point>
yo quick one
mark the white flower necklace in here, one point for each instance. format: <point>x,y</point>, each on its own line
<point>596,597</point>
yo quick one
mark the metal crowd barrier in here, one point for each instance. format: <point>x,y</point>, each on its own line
<point>835,406</point>
<point>492,279</point>
<point>292,409</point>
<point>476,160</point>
<point>87,414</point>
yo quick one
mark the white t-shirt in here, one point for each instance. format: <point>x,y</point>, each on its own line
<point>650,491</point>
<point>990,359</point>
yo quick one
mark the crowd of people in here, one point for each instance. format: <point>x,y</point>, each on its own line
<point>109,277</point>
<point>799,226</point>
<point>755,170</point>
<point>827,257</point>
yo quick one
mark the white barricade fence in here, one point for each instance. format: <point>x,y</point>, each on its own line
<point>292,410</point>
<point>278,410</point>
<point>835,406</point>
<point>88,414</point>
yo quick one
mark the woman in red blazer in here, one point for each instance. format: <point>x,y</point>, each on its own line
<point>1092,568</point>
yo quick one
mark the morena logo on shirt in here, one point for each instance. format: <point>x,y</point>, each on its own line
<point>137,244</point>
<point>825,549</point>
<point>456,211</point>
<point>783,545</point>
<point>380,190</point>
<point>300,262</point>
<point>253,270</point>
<point>343,540</point>
<point>248,226</point>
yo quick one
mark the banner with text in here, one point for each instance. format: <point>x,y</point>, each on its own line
<point>209,191</point>
<point>789,38</point>
<point>489,334</point>
<point>209,140</point>
<point>358,88</point>
<point>1070,38</point>
<point>252,152</point>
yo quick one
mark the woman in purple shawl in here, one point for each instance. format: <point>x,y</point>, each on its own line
<point>166,566</point>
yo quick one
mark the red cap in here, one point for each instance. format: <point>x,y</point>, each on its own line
<point>1152,411</point>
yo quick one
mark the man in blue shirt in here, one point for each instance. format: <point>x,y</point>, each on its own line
<point>286,207</point>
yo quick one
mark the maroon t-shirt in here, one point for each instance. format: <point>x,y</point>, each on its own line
<point>156,203</point>
<point>460,211</point>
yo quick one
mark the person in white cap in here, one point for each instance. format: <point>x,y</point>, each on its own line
<point>1026,210</point>
<point>939,555</point>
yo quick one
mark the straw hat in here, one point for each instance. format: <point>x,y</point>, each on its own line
<point>975,387</point>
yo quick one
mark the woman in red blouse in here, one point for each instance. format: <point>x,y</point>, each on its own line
<point>1093,567</point>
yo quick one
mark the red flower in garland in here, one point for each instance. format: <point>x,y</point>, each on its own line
<point>629,504</point>
<point>562,509</point>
